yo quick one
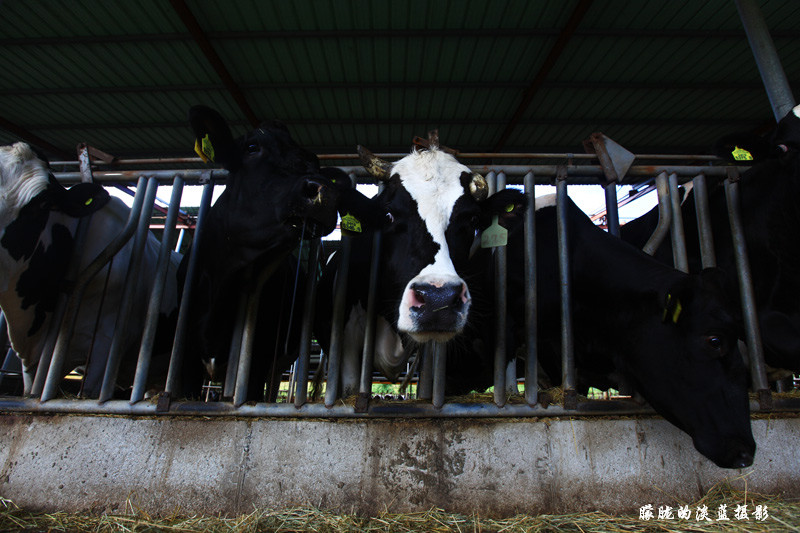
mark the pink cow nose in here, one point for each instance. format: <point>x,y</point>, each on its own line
<point>438,298</point>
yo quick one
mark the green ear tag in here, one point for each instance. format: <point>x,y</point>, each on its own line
<point>204,149</point>
<point>495,235</point>
<point>740,154</point>
<point>351,223</point>
<point>88,201</point>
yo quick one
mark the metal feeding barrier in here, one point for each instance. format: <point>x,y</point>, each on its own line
<point>430,375</point>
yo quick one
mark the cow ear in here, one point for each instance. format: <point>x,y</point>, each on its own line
<point>359,213</point>
<point>508,205</point>
<point>743,148</point>
<point>213,139</point>
<point>82,200</point>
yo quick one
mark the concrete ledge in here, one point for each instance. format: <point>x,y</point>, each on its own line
<point>491,466</point>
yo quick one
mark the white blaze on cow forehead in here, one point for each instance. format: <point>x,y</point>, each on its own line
<point>433,179</point>
<point>22,175</point>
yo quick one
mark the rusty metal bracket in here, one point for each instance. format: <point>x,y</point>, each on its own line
<point>614,159</point>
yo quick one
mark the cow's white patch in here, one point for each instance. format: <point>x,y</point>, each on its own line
<point>546,200</point>
<point>796,110</point>
<point>22,176</point>
<point>433,179</point>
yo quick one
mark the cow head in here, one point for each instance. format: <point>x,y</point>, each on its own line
<point>275,190</point>
<point>685,361</point>
<point>748,147</point>
<point>435,206</point>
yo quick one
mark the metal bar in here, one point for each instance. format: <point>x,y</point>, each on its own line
<point>176,357</point>
<point>55,348</point>
<point>157,293</point>
<point>439,352</point>
<point>301,393</point>
<point>337,319</point>
<point>612,210</point>
<point>664,215</point>
<point>249,332</point>
<point>677,236</point>
<point>509,379</point>
<point>425,381</point>
<point>116,351</point>
<point>531,315</point>
<point>700,190</point>
<point>568,381</point>
<point>753,335</point>
<point>365,384</point>
<point>235,348</point>
<point>769,64</point>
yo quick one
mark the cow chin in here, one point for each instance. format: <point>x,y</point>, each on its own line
<point>311,228</point>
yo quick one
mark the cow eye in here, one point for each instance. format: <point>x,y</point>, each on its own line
<point>716,343</point>
<point>253,148</point>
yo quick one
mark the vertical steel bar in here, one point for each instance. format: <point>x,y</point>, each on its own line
<point>664,215</point>
<point>132,279</point>
<point>501,310</point>
<point>368,352</point>
<point>249,332</point>
<point>178,345</point>
<point>753,335</point>
<point>181,235</point>
<point>677,235</point>
<point>777,85</point>
<point>157,293</point>
<point>439,352</point>
<point>235,348</point>
<point>612,209</point>
<point>568,381</point>
<point>700,190</point>
<point>425,382</point>
<point>531,315</point>
<point>301,391</point>
<point>337,318</point>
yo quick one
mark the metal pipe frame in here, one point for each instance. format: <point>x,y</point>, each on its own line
<point>425,380</point>
<point>303,360</point>
<point>179,342</point>
<point>755,349</point>
<point>367,354</point>
<point>502,384</point>
<point>157,294</point>
<point>612,211</point>
<point>678,237</point>
<point>531,307</point>
<point>439,352</point>
<point>52,358</point>
<point>568,379</point>
<point>664,215</point>
<point>116,351</point>
<point>707,253</point>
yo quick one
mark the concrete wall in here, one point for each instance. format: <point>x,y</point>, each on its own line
<point>491,466</point>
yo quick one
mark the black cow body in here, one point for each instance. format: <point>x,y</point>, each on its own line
<point>275,196</point>
<point>435,206</point>
<point>769,209</point>
<point>39,218</point>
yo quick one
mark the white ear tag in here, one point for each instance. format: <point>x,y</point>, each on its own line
<point>495,235</point>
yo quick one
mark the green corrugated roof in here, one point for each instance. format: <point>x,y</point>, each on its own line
<point>655,76</point>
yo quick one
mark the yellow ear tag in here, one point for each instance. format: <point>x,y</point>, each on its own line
<point>88,202</point>
<point>740,154</point>
<point>494,236</point>
<point>676,311</point>
<point>351,223</point>
<point>203,148</point>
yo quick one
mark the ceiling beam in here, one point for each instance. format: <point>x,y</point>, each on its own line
<point>35,140</point>
<point>555,52</point>
<point>202,41</point>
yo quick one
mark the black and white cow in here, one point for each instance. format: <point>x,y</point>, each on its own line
<point>770,212</point>
<point>38,218</point>
<point>671,335</point>
<point>434,207</point>
<point>276,195</point>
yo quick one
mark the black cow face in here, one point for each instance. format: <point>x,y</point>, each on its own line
<point>696,379</point>
<point>746,147</point>
<point>275,190</point>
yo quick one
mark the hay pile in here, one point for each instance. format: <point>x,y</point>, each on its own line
<point>782,516</point>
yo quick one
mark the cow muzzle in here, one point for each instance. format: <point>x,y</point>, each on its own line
<point>434,311</point>
<point>315,208</point>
